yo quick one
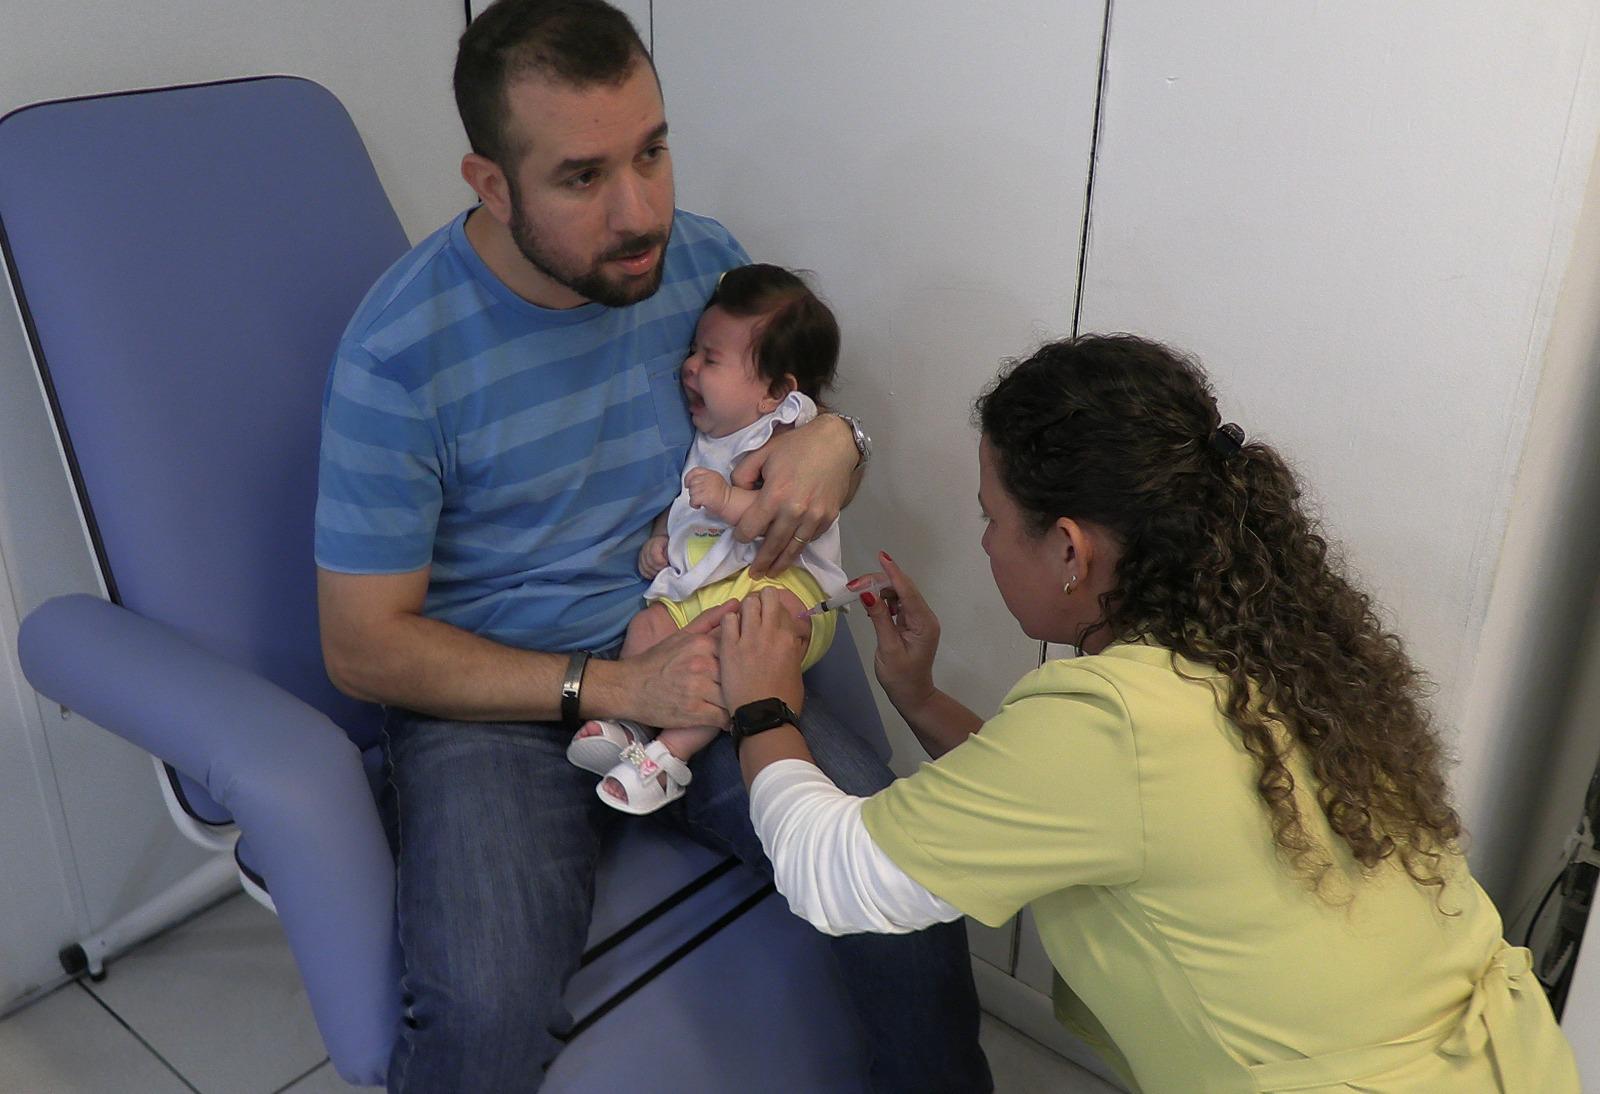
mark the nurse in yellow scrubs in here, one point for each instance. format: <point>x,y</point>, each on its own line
<point>1230,817</point>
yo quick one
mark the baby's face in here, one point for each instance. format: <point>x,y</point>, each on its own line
<point>725,392</point>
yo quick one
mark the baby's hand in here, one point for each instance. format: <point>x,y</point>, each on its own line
<point>707,489</point>
<point>653,556</point>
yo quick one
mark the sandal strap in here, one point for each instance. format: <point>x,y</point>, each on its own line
<point>653,759</point>
<point>636,733</point>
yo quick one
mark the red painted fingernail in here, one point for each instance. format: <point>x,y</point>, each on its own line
<point>885,555</point>
<point>868,599</point>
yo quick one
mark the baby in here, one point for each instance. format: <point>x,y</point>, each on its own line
<point>764,349</point>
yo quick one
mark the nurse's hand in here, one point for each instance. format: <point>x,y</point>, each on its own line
<point>761,647</point>
<point>908,638</point>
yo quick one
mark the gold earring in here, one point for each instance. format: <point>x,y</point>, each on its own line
<point>1072,583</point>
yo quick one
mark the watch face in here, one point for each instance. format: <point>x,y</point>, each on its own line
<point>762,714</point>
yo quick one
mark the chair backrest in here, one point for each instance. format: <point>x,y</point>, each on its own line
<point>185,260</point>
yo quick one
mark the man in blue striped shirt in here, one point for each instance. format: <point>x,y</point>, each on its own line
<point>502,423</point>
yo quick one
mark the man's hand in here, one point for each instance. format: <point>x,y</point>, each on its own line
<point>677,682</point>
<point>653,556</point>
<point>806,475</point>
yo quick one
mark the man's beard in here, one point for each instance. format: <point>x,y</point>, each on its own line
<point>592,284</point>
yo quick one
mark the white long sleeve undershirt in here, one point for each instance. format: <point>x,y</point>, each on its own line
<point>825,862</point>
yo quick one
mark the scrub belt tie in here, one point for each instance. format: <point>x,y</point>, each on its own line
<point>1486,1019</point>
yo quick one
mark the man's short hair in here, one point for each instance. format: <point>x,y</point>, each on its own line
<point>581,43</point>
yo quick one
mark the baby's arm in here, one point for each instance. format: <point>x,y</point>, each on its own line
<point>653,555</point>
<point>716,495</point>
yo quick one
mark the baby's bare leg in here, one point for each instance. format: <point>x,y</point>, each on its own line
<point>644,630</point>
<point>683,742</point>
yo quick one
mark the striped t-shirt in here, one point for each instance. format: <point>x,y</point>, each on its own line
<point>520,452</point>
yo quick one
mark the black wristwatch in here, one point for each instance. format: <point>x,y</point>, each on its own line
<point>760,716</point>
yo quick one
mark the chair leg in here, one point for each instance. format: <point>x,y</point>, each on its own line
<point>212,881</point>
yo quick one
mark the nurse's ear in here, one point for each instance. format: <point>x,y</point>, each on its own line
<point>1087,554</point>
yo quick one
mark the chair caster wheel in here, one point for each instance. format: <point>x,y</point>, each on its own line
<point>74,962</point>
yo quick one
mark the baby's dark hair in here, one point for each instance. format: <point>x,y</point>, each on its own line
<point>797,335</point>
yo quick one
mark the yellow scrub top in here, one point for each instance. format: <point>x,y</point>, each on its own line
<point>1111,795</point>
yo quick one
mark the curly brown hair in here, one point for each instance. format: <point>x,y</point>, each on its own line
<point>1221,564</point>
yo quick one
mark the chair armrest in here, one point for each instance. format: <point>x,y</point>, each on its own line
<point>289,776</point>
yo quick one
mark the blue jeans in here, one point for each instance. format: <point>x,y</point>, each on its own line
<point>496,839</point>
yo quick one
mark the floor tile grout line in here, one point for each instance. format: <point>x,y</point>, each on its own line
<point>306,1074</point>
<point>135,1033</point>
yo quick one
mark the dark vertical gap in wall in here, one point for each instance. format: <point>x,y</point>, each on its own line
<point>1088,201</point>
<point>652,28</point>
<point>1094,156</point>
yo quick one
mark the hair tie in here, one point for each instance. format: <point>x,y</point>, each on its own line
<point>1226,440</point>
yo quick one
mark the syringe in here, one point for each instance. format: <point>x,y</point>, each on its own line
<point>851,594</point>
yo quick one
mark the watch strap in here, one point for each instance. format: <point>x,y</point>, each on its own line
<point>760,716</point>
<point>858,434</point>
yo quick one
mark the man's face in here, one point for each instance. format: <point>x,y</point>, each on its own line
<point>591,196</point>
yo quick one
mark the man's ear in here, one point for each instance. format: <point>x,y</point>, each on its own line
<point>777,391</point>
<point>488,181</point>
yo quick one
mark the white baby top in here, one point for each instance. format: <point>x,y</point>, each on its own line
<point>715,553</point>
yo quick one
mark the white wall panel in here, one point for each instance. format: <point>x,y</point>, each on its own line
<point>929,164</point>
<point>1535,700</point>
<point>1358,216</point>
<point>388,61</point>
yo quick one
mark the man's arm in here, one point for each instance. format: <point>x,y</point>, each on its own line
<point>807,476</point>
<point>379,647</point>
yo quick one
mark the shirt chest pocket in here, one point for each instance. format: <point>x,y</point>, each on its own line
<point>666,397</point>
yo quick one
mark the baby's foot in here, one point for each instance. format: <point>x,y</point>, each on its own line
<point>598,744</point>
<point>614,788</point>
<point>646,779</point>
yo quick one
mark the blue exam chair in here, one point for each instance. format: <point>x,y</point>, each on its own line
<point>184,260</point>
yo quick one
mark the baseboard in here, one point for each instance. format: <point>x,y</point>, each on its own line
<point>1031,1013</point>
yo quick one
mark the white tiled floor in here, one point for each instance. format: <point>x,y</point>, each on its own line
<point>216,1007</point>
